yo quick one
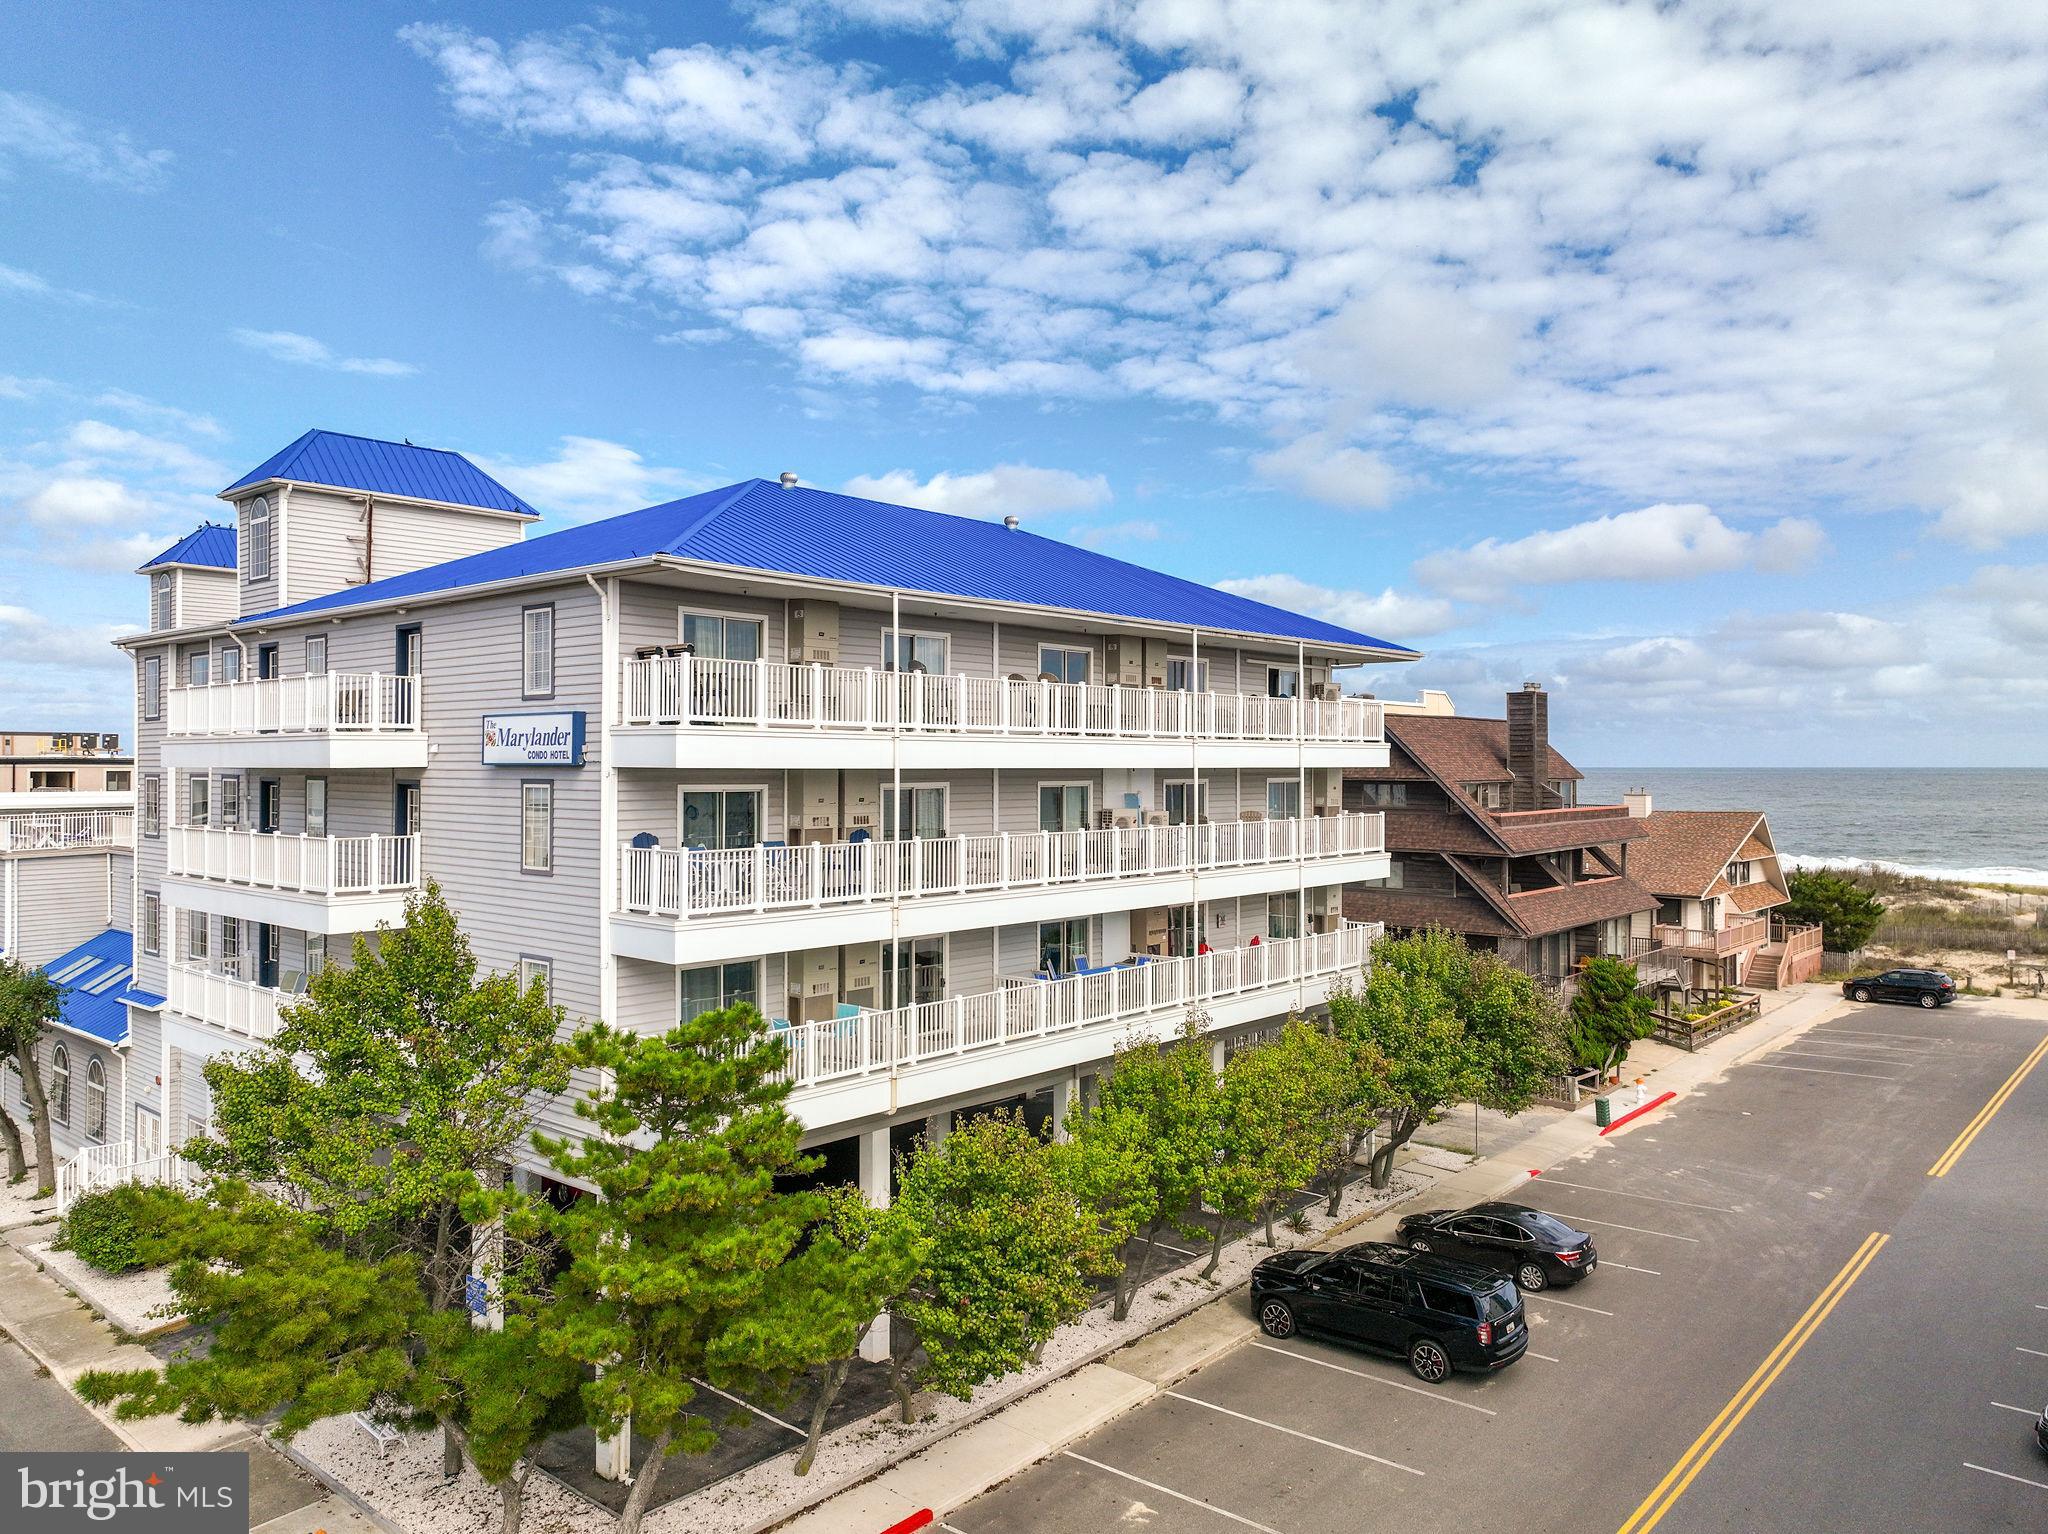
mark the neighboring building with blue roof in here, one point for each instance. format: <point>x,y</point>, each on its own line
<point>84,1048</point>
<point>209,546</point>
<point>957,806</point>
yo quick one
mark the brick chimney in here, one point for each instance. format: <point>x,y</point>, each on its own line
<point>1528,746</point>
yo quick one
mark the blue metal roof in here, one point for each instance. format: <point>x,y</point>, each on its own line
<point>384,468</point>
<point>759,525</point>
<point>209,544</point>
<point>93,980</point>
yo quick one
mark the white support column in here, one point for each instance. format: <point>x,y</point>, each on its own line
<point>615,1455</point>
<point>1216,1056</point>
<point>936,1127</point>
<point>874,1185</point>
<point>1062,1101</point>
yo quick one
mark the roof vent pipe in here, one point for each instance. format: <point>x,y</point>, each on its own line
<point>1010,523</point>
<point>789,479</point>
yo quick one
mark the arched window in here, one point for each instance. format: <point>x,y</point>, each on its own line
<point>96,1099</point>
<point>60,1084</point>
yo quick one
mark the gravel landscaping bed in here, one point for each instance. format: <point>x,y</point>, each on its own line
<point>137,1303</point>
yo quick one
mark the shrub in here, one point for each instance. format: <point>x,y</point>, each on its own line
<point>1608,1013</point>
<point>1847,913</point>
<point>113,1230</point>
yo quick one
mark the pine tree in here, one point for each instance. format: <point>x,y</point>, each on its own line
<point>28,1000</point>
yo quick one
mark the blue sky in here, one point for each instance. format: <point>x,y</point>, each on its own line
<point>1692,362</point>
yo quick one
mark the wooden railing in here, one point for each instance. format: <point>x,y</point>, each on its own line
<point>690,882</point>
<point>334,702</point>
<point>691,690</point>
<point>1690,1033</point>
<point>1109,1000</point>
<point>306,865</point>
<point>65,830</point>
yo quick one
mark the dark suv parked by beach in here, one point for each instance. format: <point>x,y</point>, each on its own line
<point>1924,987</point>
<point>1438,1314</point>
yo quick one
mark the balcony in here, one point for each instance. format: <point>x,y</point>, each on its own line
<point>66,830</point>
<point>885,1061</point>
<point>226,1002</point>
<point>1694,943</point>
<point>324,884</point>
<point>781,715</point>
<point>685,905</point>
<point>338,719</point>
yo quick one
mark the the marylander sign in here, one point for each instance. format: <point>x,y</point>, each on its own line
<point>124,1493</point>
<point>533,740</point>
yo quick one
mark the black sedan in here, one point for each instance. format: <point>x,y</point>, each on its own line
<point>1922,987</point>
<point>1534,1248</point>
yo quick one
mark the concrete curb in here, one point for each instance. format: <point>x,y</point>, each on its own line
<point>334,1487</point>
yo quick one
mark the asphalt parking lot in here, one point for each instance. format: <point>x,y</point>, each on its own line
<point>1795,1326</point>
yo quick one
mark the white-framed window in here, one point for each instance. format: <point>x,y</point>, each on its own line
<point>716,636</point>
<point>712,986</point>
<point>230,805</point>
<point>230,946</point>
<point>1062,946</point>
<point>1384,794</point>
<point>316,806</point>
<point>717,818</point>
<point>152,924</point>
<point>316,655</point>
<point>230,663</point>
<point>1486,795</point>
<point>60,1083</point>
<point>1394,879</point>
<point>1186,674</point>
<point>95,1098</point>
<point>259,539</point>
<point>919,812</point>
<point>905,650</point>
<point>195,937</point>
<point>152,804</point>
<point>198,796</point>
<point>1283,682</point>
<point>1186,802</point>
<point>316,953</point>
<point>1185,931</point>
<point>196,665</point>
<point>537,651</point>
<point>118,780</point>
<point>532,969</point>
<point>1063,664</point>
<point>537,827</point>
<point>1283,915</point>
<point>161,613</point>
<point>919,974</point>
<point>1064,806</point>
<point>1283,798</point>
<point>152,687</point>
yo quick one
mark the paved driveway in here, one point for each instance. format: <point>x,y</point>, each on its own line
<point>1794,1327</point>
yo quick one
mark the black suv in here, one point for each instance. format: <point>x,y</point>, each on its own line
<point>1925,987</point>
<point>1438,1314</point>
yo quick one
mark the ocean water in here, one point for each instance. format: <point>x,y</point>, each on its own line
<point>1987,825</point>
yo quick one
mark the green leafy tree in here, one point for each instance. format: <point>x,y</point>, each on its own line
<point>1847,913</point>
<point>682,1246</point>
<point>1339,1094</point>
<point>385,1109</point>
<point>1005,1250</point>
<point>1107,1164</point>
<point>1440,1024</point>
<point>1609,1012</point>
<point>1272,1138</point>
<point>857,1263</point>
<point>1173,1109</point>
<point>28,1000</point>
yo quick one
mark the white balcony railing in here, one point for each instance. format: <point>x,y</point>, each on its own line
<point>111,1165</point>
<point>690,689</point>
<point>64,830</point>
<point>1109,999</point>
<point>694,882</point>
<point>306,865</point>
<point>227,1002</point>
<point>334,702</point>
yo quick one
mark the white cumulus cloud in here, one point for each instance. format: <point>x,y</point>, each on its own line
<point>1400,616</point>
<point>305,351</point>
<point>591,477</point>
<point>1009,489</point>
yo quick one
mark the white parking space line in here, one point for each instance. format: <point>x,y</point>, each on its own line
<point>2024,1411</point>
<point>1168,1246</point>
<point>1814,1070</point>
<point>750,1406</point>
<point>1835,1054</point>
<point>1609,1262</point>
<point>1168,1491</point>
<point>1532,1353</point>
<point>1377,1379</point>
<point>1987,1470</point>
<point>1655,1198</point>
<point>1341,1448</point>
<point>1544,1299</point>
<point>2032,1352</point>
<point>1617,1225</point>
<point>1865,1033</point>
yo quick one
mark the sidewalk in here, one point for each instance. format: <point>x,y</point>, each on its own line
<point>958,1469</point>
<point>63,1335</point>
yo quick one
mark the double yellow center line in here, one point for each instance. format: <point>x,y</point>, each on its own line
<point>1989,1111</point>
<point>1694,1460</point>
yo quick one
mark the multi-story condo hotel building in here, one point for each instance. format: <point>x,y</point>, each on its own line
<point>957,806</point>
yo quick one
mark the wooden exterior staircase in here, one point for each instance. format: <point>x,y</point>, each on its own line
<point>1791,957</point>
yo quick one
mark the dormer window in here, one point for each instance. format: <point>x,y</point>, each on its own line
<point>259,539</point>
